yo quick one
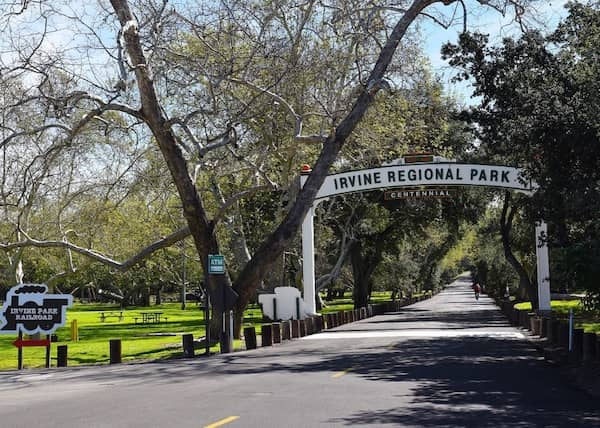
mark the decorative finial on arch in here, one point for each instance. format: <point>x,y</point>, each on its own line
<point>305,169</point>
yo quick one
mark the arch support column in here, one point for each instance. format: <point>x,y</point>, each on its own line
<point>543,266</point>
<point>308,262</point>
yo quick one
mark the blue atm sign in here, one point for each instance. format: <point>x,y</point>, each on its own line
<point>216,264</point>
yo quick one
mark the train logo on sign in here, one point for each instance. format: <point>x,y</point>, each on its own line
<point>29,309</point>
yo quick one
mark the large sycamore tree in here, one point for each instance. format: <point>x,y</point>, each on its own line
<point>155,75</point>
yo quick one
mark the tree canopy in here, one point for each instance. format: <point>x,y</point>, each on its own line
<point>539,109</point>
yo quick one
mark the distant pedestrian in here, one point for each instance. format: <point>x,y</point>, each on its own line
<point>477,290</point>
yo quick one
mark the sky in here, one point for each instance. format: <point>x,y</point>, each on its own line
<point>547,14</point>
<point>65,32</point>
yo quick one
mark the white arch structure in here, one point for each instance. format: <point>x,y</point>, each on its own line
<point>417,175</point>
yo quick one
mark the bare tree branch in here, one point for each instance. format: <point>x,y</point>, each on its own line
<point>298,119</point>
<point>235,198</point>
<point>144,253</point>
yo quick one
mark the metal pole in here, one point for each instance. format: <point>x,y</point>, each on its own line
<point>206,317</point>
<point>183,279</point>
<point>570,330</point>
<point>225,348</point>
<point>48,351</point>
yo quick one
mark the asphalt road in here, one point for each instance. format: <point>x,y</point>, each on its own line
<point>447,362</point>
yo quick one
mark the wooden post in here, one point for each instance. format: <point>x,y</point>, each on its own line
<point>302,328</point>
<point>250,337</point>
<point>308,322</point>
<point>115,351</point>
<point>563,335</point>
<point>535,324</point>
<point>267,335</point>
<point>295,328</point>
<point>589,346</point>
<point>188,345</point>
<point>61,356</point>
<point>286,330</point>
<point>544,326</point>
<point>318,323</point>
<point>74,331</point>
<point>553,332</point>
<point>577,351</point>
<point>276,332</point>
<point>331,321</point>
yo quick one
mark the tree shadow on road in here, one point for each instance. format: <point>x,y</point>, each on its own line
<point>487,383</point>
<point>470,319</point>
<point>488,386</point>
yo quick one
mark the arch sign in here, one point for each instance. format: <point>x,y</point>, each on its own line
<point>434,174</point>
<point>411,173</point>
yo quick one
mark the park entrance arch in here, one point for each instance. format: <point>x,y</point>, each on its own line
<point>410,173</point>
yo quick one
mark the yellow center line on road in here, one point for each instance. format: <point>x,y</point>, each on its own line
<point>340,374</point>
<point>222,422</point>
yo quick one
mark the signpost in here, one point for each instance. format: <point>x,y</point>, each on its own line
<point>224,300</point>
<point>29,309</point>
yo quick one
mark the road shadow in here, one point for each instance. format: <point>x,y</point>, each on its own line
<point>487,382</point>
<point>442,319</point>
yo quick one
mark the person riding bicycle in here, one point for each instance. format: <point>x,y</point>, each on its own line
<point>477,290</point>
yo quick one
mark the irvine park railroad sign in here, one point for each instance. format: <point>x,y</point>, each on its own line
<point>29,309</point>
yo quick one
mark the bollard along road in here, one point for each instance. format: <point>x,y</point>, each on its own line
<point>450,361</point>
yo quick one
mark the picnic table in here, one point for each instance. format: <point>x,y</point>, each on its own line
<point>105,315</point>
<point>150,318</point>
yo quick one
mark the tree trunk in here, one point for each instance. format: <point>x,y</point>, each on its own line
<point>157,294</point>
<point>329,278</point>
<point>360,274</point>
<point>202,230</point>
<point>525,285</point>
<point>194,212</point>
<point>270,250</point>
<point>362,270</point>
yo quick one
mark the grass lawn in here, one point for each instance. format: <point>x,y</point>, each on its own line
<point>138,341</point>
<point>589,321</point>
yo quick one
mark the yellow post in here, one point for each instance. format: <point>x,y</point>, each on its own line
<point>74,331</point>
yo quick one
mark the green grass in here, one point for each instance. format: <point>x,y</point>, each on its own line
<point>586,320</point>
<point>560,306</point>
<point>346,303</point>
<point>138,341</point>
